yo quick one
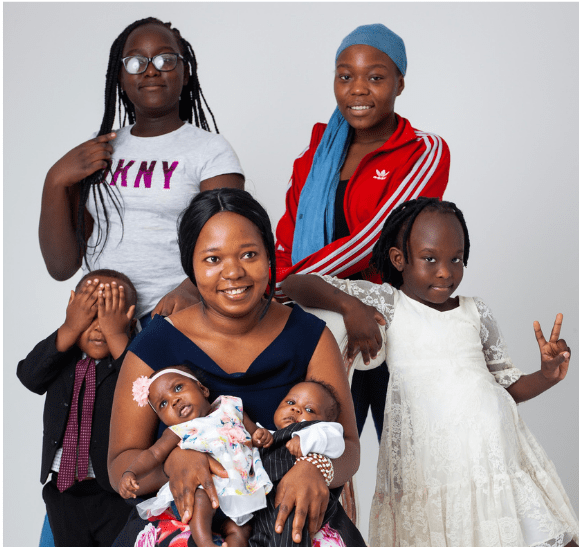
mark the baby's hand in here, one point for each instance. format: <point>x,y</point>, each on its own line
<point>128,486</point>
<point>113,319</point>
<point>294,446</point>
<point>262,438</point>
<point>82,308</point>
<point>555,354</point>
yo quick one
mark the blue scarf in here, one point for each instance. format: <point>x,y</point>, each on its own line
<point>315,217</point>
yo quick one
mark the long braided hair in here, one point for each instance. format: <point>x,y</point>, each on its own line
<point>396,232</point>
<point>192,105</point>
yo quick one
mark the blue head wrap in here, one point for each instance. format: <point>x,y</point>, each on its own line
<point>315,216</point>
<point>381,38</point>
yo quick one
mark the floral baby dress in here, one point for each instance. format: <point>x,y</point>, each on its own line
<point>222,434</point>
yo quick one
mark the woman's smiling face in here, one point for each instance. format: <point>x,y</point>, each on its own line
<point>231,265</point>
<point>366,85</point>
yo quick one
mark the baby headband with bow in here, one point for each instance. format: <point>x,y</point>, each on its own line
<point>142,384</point>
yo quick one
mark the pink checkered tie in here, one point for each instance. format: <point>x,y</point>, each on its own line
<point>85,371</point>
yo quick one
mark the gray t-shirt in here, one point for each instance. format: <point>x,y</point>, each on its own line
<point>155,178</point>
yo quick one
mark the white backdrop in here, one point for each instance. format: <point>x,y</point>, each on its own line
<point>498,81</point>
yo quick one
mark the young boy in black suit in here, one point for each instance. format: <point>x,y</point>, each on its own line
<point>77,367</point>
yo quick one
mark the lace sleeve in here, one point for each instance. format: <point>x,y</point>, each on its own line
<point>494,348</point>
<point>380,297</point>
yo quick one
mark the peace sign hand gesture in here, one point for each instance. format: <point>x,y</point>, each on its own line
<point>555,354</point>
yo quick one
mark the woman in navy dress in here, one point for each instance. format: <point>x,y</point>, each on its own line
<point>239,342</point>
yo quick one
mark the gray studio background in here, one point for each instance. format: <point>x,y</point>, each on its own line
<point>498,81</point>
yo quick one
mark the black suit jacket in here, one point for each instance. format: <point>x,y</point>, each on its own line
<point>47,370</point>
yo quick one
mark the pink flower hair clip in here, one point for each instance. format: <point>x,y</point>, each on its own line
<point>142,384</point>
<point>141,390</point>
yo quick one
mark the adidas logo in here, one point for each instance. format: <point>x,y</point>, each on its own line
<point>381,175</point>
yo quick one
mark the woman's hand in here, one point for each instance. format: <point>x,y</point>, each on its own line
<point>187,470</point>
<point>555,354</point>
<point>361,323</point>
<point>304,489</point>
<point>82,161</point>
<point>181,297</point>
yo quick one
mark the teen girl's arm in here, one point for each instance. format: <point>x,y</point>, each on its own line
<point>146,462</point>
<point>133,430</point>
<point>555,357</point>
<point>228,180</point>
<point>304,487</point>
<point>59,206</point>
<point>361,320</point>
<point>186,294</point>
<point>425,174</point>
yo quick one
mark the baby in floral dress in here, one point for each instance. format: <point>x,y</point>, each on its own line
<point>221,429</point>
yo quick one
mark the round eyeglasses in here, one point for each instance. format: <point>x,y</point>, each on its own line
<point>164,62</point>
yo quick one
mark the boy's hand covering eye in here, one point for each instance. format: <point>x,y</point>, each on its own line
<point>82,307</point>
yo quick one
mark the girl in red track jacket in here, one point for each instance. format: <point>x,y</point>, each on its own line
<point>411,163</point>
<point>384,160</point>
<point>356,170</point>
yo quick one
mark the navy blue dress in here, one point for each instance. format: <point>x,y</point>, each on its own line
<point>268,379</point>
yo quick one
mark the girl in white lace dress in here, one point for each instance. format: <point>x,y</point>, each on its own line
<point>457,465</point>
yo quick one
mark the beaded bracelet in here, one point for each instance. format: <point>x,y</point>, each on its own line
<point>323,463</point>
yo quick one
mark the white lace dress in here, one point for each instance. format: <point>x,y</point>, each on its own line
<point>457,465</point>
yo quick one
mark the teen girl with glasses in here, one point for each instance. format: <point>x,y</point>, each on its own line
<point>150,170</point>
<point>113,201</point>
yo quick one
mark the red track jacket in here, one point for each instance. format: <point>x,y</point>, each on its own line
<point>411,163</point>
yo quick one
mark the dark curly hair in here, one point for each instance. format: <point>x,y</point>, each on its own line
<point>335,408</point>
